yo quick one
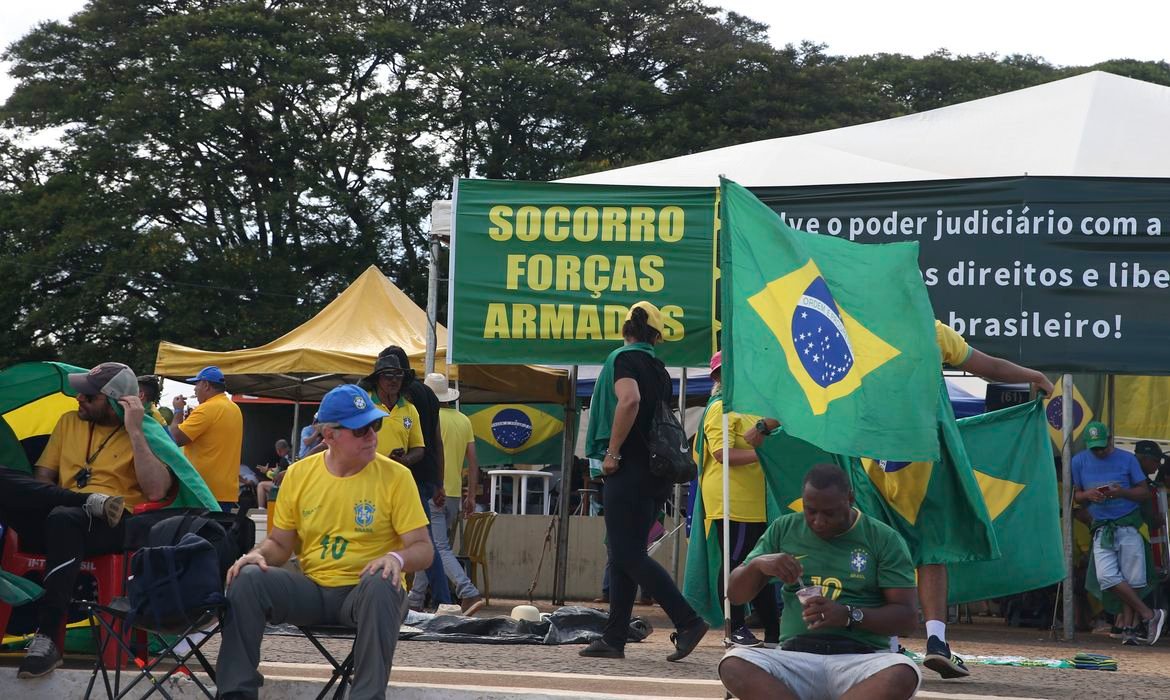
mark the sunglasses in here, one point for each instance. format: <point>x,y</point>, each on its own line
<point>90,398</point>
<point>392,374</point>
<point>365,429</point>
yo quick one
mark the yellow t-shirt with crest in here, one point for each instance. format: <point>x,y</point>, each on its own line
<point>344,523</point>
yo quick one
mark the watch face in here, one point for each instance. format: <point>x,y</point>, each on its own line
<point>856,614</point>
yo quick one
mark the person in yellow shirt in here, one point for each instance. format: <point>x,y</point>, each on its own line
<point>932,578</point>
<point>354,519</point>
<point>748,516</point>
<point>149,392</point>
<point>95,466</point>
<point>212,436</point>
<point>444,507</point>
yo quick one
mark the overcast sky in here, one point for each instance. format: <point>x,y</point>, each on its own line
<point>1068,32</point>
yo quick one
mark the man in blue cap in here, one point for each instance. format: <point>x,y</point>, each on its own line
<point>355,521</point>
<point>212,436</point>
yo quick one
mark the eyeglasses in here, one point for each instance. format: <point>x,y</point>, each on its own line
<point>359,432</point>
<point>89,398</point>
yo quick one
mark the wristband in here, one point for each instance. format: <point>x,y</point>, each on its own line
<point>762,427</point>
<point>616,457</point>
<point>401,561</point>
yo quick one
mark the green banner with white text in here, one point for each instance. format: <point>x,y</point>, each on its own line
<point>545,272</point>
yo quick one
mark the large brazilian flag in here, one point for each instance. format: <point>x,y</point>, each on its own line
<point>835,339</point>
<point>515,433</point>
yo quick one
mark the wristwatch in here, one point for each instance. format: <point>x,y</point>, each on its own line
<point>762,427</point>
<point>856,615</point>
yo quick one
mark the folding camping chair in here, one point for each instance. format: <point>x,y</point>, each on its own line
<point>118,615</point>
<point>342,672</point>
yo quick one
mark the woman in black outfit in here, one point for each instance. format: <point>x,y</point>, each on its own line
<point>632,495</point>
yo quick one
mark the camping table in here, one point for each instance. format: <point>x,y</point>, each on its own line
<point>519,506</point>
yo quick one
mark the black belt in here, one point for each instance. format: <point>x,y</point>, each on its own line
<point>828,646</point>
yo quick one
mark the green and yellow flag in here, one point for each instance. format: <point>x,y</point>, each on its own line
<point>835,339</point>
<point>516,433</point>
<point>936,506</point>
<point>1012,459</point>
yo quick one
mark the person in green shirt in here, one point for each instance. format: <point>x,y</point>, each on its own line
<point>836,642</point>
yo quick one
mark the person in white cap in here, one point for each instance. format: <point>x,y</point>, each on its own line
<point>445,505</point>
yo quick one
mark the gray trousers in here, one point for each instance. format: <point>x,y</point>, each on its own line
<point>374,607</point>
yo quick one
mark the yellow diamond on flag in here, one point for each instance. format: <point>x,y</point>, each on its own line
<point>797,505</point>
<point>827,350</point>
<point>901,484</point>
<point>998,493</point>
<point>1054,413</point>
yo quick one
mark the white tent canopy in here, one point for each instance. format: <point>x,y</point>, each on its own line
<point>1092,125</point>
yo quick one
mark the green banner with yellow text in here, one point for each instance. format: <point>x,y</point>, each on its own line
<point>545,272</point>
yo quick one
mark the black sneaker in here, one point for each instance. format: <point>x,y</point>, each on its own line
<point>1129,637</point>
<point>940,659</point>
<point>743,637</point>
<point>601,649</point>
<point>686,640</point>
<point>41,658</point>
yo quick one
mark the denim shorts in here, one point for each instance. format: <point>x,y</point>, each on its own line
<point>1125,561</point>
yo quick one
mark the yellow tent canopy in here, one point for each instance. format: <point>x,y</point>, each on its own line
<point>340,344</point>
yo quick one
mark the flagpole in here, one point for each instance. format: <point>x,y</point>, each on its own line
<point>1066,428</point>
<point>726,528</point>
<point>561,567</point>
<point>675,554</point>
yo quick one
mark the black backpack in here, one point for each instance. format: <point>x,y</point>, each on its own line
<point>666,441</point>
<point>178,572</point>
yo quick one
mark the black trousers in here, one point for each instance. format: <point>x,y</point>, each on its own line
<point>743,538</point>
<point>631,504</point>
<point>52,521</point>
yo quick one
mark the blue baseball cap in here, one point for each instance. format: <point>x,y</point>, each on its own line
<point>349,406</point>
<point>211,373</point>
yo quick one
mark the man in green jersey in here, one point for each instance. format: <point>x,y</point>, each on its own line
<point>836,643</point>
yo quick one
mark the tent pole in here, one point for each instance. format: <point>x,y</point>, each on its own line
<point>294,439</point>
<point>1066,426</point>
<point>726,526</point>
<point>676,551</point>
<point>561,569</point>
<point>432,305</point>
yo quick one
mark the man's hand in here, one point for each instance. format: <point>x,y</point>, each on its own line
<point>753,437</point>
<point>397,453</point>
<point>783,566</point>
<point>440,497</point>
<point>1094,495</point>
<point>134,410</point>
<point>1043,384</point>
<point>469,504</point>
<point>822,613</point>
<point>609,465</point>
<point>388,565</point>
<point>179,403</point>
<point>253,557</point>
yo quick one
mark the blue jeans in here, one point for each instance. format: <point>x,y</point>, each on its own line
<point>464,588</point>
<point>440,594</point>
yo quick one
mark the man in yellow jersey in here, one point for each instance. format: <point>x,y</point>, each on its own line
<point>932,578</point>
<point>746,498</point>
<point>96,465</point>
<point>212,436</point>
<point>354,519</point>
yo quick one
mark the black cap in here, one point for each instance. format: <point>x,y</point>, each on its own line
<point>1147,448</point>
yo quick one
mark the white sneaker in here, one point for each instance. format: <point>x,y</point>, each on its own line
<point>108,508</point>
<point>1154,626</point>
